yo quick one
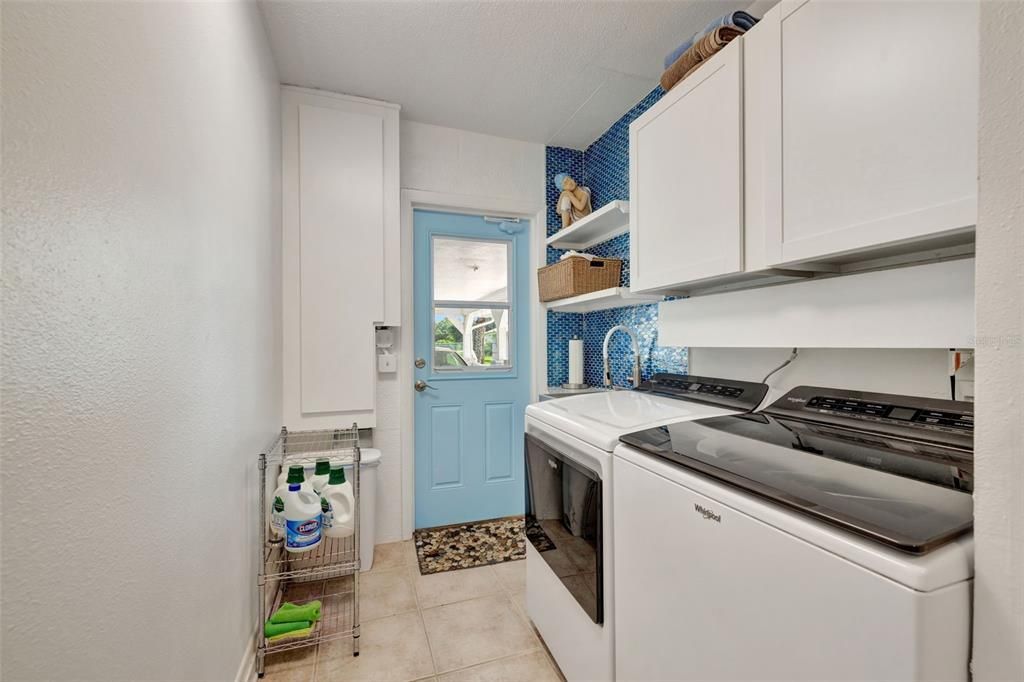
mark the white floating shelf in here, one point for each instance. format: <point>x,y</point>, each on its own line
<point>616,297</point>
<point>609,221</point>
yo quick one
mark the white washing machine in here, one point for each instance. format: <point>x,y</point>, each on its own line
<point>827,537</point>
<point>569,473</point>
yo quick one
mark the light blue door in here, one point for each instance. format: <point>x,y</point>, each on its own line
<point>472,339</point>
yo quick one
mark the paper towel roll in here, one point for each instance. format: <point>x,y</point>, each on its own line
<point>576,361</point>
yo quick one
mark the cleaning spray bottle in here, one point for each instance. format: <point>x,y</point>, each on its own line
<point>338,505</point>
<point>301,514</point>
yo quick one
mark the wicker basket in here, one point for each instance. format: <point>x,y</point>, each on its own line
<point>577,275</point>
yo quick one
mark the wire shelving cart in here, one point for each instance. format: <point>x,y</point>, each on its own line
<point>328,572</point>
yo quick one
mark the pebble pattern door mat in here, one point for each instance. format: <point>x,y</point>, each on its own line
<point>477,543</point>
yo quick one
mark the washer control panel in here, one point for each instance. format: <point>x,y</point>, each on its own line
<point>905,416</point>
<point>897,414</point>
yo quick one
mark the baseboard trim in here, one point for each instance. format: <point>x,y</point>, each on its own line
<point>247,666</point>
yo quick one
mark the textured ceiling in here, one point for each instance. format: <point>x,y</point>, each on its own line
<point>555,72</point>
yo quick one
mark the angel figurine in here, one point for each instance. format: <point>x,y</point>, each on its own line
<point>573,202</point>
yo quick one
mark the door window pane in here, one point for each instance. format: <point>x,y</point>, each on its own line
<point>472,304</point>
<point>468,338</point>
<point>470,270</point>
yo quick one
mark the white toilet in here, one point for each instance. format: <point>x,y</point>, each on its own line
<point>367,504</point>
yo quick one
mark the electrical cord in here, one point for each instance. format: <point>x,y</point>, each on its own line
<point>792,357</point>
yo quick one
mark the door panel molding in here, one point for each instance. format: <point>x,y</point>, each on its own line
<point>499,435</point>
<point>446,466</point>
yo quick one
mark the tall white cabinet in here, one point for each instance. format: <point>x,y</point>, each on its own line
<point>875,104</point>
<point>340,253</point>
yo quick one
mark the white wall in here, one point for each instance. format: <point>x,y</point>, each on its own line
<point>920,306</point>
<point>922,372</point>
<point>141,354</point>
<point>455,161</point>
<point>450,162</point>
<point>999,442</point>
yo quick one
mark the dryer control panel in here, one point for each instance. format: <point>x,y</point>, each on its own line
<point>738,395</point>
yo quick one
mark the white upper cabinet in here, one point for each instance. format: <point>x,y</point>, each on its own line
<point>686,179</point>
<point>340,238</point>
<point>869,111</point>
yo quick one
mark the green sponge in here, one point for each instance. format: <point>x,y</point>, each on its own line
<point>302,632</point>
<point>271,630</point>
<point>297,613</point>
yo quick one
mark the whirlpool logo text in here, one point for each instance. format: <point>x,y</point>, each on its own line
<point>707,513</point>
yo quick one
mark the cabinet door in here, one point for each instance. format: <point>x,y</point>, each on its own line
<point>337,166</point>
<point>686,194</point>
<point>341,228</point>
<point>878,124</point>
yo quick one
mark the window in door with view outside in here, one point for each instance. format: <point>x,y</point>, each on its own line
<point>471,304</point>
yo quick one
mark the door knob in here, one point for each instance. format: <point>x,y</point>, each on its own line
<point>421,386</point>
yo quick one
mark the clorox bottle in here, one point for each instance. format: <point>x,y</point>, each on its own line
<point>282,480</point>
<point>277,520</point>
<point>338,506</point>
<point>301,514</point>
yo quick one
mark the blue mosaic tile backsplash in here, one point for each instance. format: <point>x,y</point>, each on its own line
<point>604,168</point>
<point>643,319</point>
<point>606,161</point>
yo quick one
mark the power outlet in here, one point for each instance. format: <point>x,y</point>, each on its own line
<point>387,363</point>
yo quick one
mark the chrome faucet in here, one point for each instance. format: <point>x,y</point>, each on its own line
<point>636,355</point>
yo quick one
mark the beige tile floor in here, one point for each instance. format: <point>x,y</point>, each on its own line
<point>459,626</point>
